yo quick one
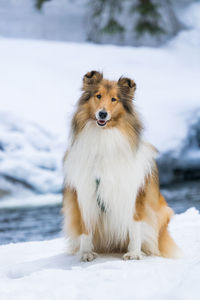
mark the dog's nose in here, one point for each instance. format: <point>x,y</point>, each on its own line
<point>103,114</point>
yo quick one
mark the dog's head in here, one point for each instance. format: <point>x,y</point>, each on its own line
<point>108,104</point>
<point>107,101</point>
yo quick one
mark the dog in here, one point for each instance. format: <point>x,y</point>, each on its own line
<point>111,196</point>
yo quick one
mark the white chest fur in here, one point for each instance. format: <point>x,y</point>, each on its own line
<point>106,155</point>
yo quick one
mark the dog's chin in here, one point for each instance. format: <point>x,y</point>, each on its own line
<point>101,123</point>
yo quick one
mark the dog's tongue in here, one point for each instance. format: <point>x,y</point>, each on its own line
<point>101,121</point>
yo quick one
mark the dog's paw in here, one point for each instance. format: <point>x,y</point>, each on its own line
<point>132,255</point>
<point>88,256</point>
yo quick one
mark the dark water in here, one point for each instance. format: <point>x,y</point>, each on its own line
<point>30,224</point>
<point>182,196</point>
<point>43,223</point>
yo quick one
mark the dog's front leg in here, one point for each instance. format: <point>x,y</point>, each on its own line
<point>134,246</point>
<point>86,248</point>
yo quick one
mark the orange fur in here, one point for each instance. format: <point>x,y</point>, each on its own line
<point>75,225</point>
<point>152,208</point>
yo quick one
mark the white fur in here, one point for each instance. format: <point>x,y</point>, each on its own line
<point>135,241</point>
<point>105,154</point>
<point>86,247</point>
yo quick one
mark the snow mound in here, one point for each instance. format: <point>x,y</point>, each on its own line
<point>30,200</point>
<point>42,270</point>
<point>183,163</point>
<point>29,155</point>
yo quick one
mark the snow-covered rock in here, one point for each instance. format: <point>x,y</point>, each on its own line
<point>183,163</point>
<point>43,270</point>
<point>29,155</point>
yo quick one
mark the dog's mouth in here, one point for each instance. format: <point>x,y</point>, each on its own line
<point>102,122</point>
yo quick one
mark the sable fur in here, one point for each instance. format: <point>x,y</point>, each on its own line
<point>126,166</point>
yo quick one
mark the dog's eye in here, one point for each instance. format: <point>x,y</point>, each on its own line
<point>113,99</point>
<point>99,96</point>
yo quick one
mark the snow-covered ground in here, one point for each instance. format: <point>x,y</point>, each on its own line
<point>43,270</point>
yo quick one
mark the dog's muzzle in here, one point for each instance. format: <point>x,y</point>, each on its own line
<point>102,117</point>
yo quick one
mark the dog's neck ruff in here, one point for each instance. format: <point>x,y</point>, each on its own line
<point>105,154</point>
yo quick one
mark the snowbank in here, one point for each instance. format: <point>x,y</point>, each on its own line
<point>30,200</point>
<point>30,155</point>
<point>42,270</point>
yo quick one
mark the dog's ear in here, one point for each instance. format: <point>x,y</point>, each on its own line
<point>127,86</point>
<point>91,78</point>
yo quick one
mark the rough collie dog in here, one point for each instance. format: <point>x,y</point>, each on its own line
<point>111,198</point>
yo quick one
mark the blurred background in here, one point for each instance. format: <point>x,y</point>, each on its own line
<point>46,46</point>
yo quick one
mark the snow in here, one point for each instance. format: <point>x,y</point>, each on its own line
<point>43,270</point>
